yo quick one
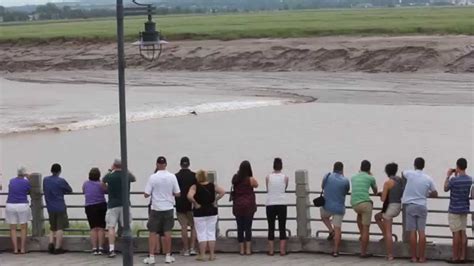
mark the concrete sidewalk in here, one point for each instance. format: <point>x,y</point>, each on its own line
<point>76,258</point>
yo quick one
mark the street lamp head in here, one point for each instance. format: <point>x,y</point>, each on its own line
<point>149,43</point>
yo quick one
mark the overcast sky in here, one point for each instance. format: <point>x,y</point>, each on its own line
<point>26,2</point>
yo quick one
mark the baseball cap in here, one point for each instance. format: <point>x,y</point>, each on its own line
<point>185,162</point>
<point>161,160</point>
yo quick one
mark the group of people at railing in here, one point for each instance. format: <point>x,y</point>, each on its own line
<point>195,199</point>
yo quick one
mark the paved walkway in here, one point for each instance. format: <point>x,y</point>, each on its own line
<point>70,259</point>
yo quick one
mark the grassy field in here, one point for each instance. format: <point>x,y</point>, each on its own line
<point>283,24</point>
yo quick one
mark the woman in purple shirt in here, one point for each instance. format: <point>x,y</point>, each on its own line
<point>17,210</point>
<point>96,207</point>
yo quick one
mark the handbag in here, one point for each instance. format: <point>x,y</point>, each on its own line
<point>320,201</point>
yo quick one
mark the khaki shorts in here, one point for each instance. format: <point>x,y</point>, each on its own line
<point>336,218</point>
<point>185,219</point>
<point>457,222</point>
<point>393,210</point>
<point>364,209</point>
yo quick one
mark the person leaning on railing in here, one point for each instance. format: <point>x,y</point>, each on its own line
<point>244,205</point>
<point>362,204</point>
<point>54,188</point>
<point>419,186</point>
<point>17,209</point>
<point>335,188</point>
<point>277,183</point>
<point>203,197</point>
<point>459,184</point>
<point>96,208</point>
<point>112,182</point>
<point>391,197</point>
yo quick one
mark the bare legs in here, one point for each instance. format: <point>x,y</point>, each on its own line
<point>364,235</point>
<point>111,238</point>
<point>421,246</point>
<point>459,245</point>
<point>380,222</point>
<point>24,230</point>
<point>166,243</point>
<point>327,223</point>
<point>14,238</point>
<point>337,239</point>
<point>413,244</point>
<point>152,242</point>
<point>388,238</point>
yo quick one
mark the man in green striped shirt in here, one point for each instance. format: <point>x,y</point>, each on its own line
<point>361,203</point>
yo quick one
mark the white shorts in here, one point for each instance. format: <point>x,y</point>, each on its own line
<point>114,216</point>
<point>17,213</point>
<point>205,228</point>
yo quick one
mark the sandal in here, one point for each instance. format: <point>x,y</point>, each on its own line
<point>335,254</point>
<point>365,256</point>
<point>270,253</point>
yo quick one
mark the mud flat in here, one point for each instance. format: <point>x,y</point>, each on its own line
<point>454,54</point>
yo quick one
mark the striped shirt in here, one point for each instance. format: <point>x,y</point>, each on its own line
<point>360,188</point>
<point>460,187</point>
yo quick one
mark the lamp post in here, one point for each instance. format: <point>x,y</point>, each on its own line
<point>149,44</point>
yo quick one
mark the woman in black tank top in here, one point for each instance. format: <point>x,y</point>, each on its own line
<point>204,196</point>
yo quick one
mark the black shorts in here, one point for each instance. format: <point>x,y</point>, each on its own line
<point>160,221</point>
<point>96,215</point>
<point>58,221</point>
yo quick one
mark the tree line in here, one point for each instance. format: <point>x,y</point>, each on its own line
<point>51,11</point>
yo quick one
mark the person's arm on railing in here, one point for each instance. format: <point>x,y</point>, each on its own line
<point>148,189</point>
<point>253,182</point>
<point>190,196</point>
<point>374,187</point>
<point>66,187</point>
<point>433,192</point>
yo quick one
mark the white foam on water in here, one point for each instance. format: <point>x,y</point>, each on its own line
<point>136,116</point>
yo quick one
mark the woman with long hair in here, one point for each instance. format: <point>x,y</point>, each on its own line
<point>244,205</point>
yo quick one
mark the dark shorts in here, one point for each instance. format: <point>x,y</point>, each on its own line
<point>58,221</point>
<point>96,215</point>
<point>160,221</point>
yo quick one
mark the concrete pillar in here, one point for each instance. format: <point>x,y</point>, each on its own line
<point>303,217</point>
<point>212,177</point>
<point>36,182</point>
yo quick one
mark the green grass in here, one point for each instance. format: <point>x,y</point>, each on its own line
<point>284,24</point>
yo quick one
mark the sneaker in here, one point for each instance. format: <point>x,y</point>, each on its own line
<point>185,253</point>
<point>169,259</point>
<point>112,254</point>
<point>192,252</point>
<point>149,260</point>
<point>51,248</point>
<point>95,252</point>
<point>100,251</point>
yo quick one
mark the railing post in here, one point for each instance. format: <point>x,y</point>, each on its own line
<point>303,218</point>
<point>405,234</point>
<point>36,182</point>
<point>212,177</point>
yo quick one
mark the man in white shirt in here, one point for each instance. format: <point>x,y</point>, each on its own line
<point>163,188</point>
<point>419,186</point>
